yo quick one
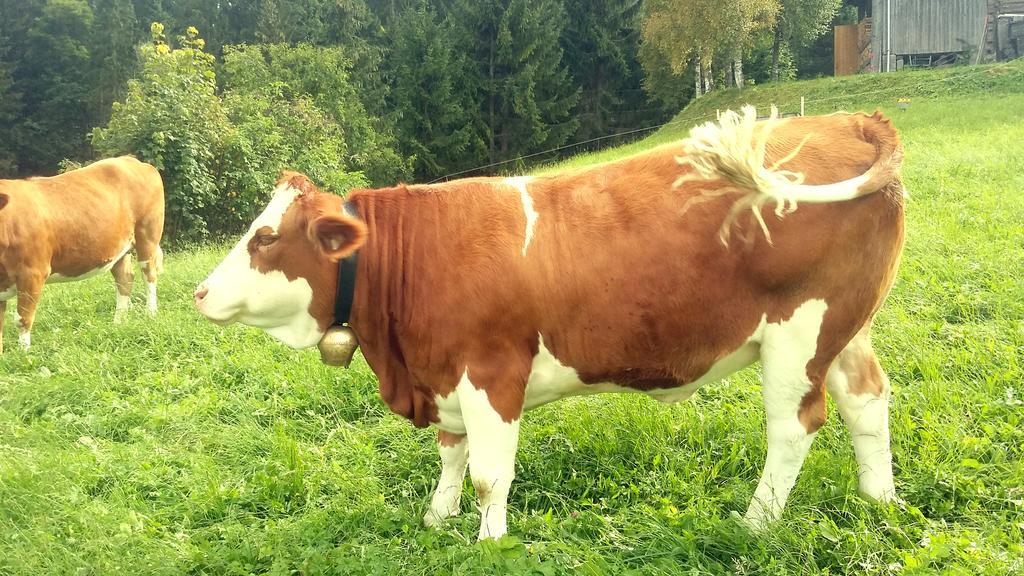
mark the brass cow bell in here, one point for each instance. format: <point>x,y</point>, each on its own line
<point>338,346</point>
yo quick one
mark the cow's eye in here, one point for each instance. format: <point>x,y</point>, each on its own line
<point>264,240</point>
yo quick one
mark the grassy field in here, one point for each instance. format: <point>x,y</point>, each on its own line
<point>176,447</point>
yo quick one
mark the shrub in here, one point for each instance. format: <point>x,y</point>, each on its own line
<point>173,119</point>
<point>220,153</point>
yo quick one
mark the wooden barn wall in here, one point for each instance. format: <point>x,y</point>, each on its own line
<point>928,26</point>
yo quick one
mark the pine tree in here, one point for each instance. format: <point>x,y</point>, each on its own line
<point>53,68</point>
<point>437,123</point>
<point>601,40</point>
<point>10,108</point>
<point>525,92</point>
<point>115,34</point>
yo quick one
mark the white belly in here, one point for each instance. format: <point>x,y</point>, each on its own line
<point>57,278</point>
<point>551,380</point>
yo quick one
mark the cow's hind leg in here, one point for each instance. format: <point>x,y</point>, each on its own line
<point>151,260</point>
<point>3,315</point>
<point>493,439</point>
<point>861,392</point>
<point>124,277</point>
<point>794,401</point>
<point>448,495</point>
<point>30,288</point>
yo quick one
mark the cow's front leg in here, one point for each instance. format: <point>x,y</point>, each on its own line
<point>448,495</point>
<point>492,429</point>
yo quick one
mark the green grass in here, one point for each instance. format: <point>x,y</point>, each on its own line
<point>176,447</point>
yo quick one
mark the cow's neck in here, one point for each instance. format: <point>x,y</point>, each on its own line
<point>381,280</point>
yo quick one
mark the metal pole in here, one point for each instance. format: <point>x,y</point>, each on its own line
<point>888,35</point>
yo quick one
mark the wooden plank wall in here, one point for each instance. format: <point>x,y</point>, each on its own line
<point>930,26</point>
<point>851,54</point>
<point>847,55</point>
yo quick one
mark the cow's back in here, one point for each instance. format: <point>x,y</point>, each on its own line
<point>81,218</point>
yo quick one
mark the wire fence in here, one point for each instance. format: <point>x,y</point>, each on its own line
<point>705,116</point>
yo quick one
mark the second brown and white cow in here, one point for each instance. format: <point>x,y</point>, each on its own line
<point>478,299</point>
<point>75,225</point>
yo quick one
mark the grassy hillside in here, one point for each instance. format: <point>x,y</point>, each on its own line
<point>176,447</point>
<point>866,92</point>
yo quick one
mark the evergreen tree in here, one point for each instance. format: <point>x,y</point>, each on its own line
<point>10,109</point>
<point>438,124</point>
<point>601,43</point>
<point>54,68</point>
<point>115,34</point>
<point>525,93</point>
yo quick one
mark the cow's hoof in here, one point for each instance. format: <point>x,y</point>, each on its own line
<point>434,518</point>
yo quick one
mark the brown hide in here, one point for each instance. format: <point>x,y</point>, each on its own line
<point>625,280</point>
<point>79,221</point>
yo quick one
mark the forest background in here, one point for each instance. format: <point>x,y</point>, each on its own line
<point>223,95</point>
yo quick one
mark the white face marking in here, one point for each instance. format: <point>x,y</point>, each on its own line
<point>519,183</point>
<point>57,278</point>
<point>786,349</point>
<point>447,498</point>
<point>492,454</point>
<point>239,293</point>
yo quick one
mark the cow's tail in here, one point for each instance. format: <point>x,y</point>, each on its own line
<point>158,260</point>
<point>734,150</point>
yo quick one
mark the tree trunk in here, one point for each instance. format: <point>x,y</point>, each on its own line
<point>698,79</point>
<point>493,96</point>
<point>737,68</point>
<point>709,78</point>
<point>776,46</point>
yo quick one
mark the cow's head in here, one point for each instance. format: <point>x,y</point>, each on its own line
<point>282,274</point>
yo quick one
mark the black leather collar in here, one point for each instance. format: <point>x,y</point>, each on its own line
<point>346,279</point>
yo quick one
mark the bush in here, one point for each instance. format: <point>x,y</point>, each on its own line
<point>173,119</point>
<point>220,153</point>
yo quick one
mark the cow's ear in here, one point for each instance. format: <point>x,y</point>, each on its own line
<point>337,235</point>
<point>3,201</point>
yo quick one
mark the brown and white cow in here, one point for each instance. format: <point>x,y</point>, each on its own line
<point>76,225</point>
<point>478,299</point>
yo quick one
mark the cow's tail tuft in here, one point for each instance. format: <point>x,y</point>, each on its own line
<point>734,150</point>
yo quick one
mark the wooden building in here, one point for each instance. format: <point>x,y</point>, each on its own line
<point>893,34</point>
<point>921,32</point>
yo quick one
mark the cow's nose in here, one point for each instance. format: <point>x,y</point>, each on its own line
<point>201,292</point>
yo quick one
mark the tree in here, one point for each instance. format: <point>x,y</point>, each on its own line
<point>53,67</point>
<point>525,93</point>
<point>324,76</point>
<point>800,22</point>
<point>601,41</point>
<point>431,96</point>
<point>692,33</point>
<point>172,118</point>
<point>113,40</point>
<point>10,109</point>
